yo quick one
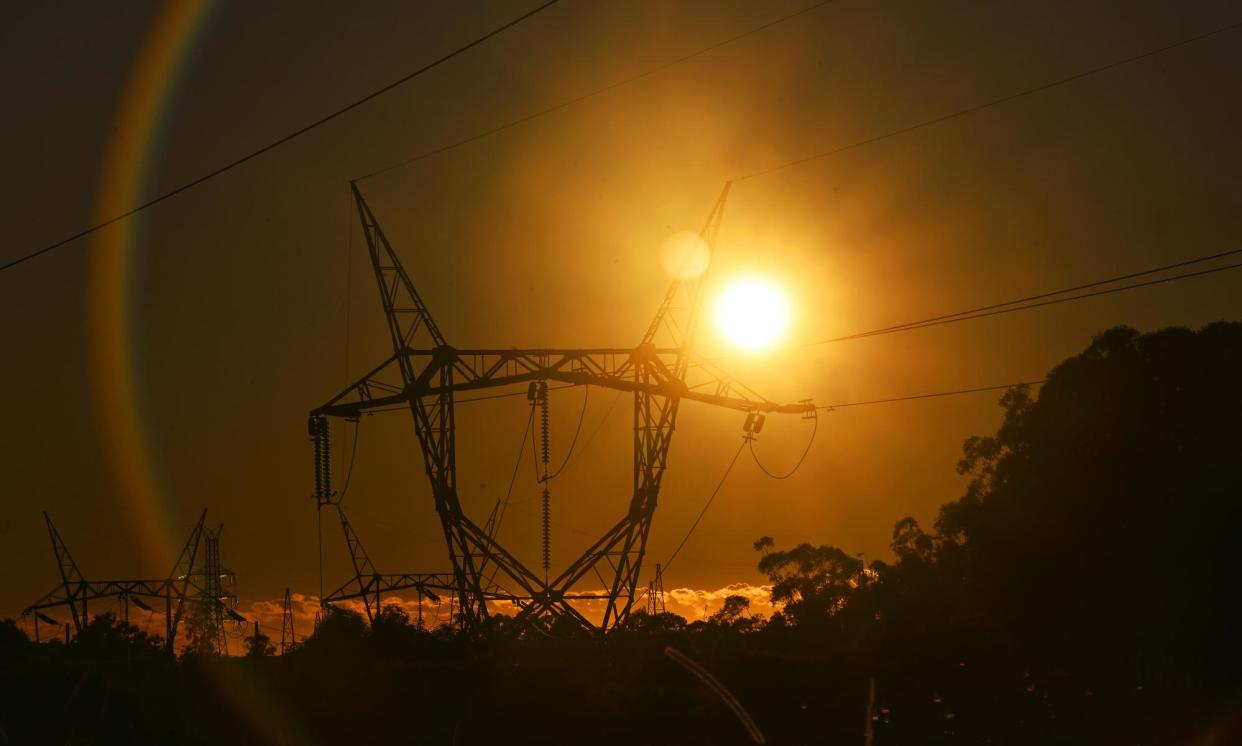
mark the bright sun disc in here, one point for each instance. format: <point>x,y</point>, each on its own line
<point>752,313</point>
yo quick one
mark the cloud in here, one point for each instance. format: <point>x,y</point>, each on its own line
<point>697,603</point>
<point>691,603</point>
<point>269,614</point>
<point>304,609</point>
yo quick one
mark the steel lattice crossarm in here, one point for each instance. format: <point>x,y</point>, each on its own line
<point>369,585</point>
<point>644,369</point>
<point>370,589</point>
<point>76,592</point>
<point>77,597</point>
<point>88,590</point>
<point>380,583</point>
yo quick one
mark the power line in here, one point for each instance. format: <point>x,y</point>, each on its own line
<point>577,431</point>
<point>598,91</point>
<point>806,451</point>
<point>1062,291</point>
<point>506,396</point>
<point>353,455</point>
<point>956,392</point>
<point>703,512</point>
<point>514,22</point>
<point>504,506</point>
<point>281,141</point>
<point>404,408</point>
<point>651,71</point>
<point>603,421</point>
<point>501,507</point>
<point>1029,302</point>
<point>710,498</point>
<point>828,407</point>
<point>994,102</point>
<point>783,19</point>
<point>954,318</point>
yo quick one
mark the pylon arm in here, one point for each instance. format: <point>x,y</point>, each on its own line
<point>365,586</point>
<point>88,590</point>
<point>429,584</point>
<point>476,369</point>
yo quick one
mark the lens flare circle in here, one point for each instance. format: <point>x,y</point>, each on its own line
<point>685,255</point>
<point>752,313</point>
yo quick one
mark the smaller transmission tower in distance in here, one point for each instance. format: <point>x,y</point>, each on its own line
<point>655,593</point>
<point>287,638</point>
<point>218,601</point>
<point>179,589</point>
<point>213,589</point>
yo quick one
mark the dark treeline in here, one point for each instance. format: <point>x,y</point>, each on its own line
<point>1084,590</point>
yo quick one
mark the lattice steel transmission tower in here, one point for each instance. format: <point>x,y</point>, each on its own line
<point>188,583</point>
<point>217,600</point>
<point>425,372</point>
<point>287,638</point>
<point>655,593</point>
<point>369,585</point>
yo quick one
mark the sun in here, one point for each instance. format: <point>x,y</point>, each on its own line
<point>752,313</point>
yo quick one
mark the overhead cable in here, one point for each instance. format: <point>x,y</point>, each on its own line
<point>810,442</point>
<point>1052,293</point>
<point>994,102</point>
<point>596,92</point>
<point>353,454</point>
<point>1029,302</point>
<point>586,390</point>
<point>956,392</point>
<point>280,141</point>
<point>1004,308</point>
<point>509,395</point>
<point>708,504</point>
<point>498,511</point>
<point>514,22</point>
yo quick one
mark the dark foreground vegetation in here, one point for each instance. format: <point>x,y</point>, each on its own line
<point>1085,590</point>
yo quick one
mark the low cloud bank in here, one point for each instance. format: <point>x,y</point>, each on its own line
<point>691,603</point>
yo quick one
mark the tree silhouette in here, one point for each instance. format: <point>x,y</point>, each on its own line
<point>258,645</point>
<point>811,583</point>
<point>733,614</point>
<point>1101,518</point>
<point>201,630</point>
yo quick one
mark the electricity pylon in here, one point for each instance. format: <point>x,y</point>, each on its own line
<point>655,594</point>
<point>189,582</point>
<point>216,599</point>
<point>424,373</point>
<point>369,585</point>
<point>287,637</point>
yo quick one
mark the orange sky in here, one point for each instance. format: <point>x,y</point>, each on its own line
<point>251,301</point>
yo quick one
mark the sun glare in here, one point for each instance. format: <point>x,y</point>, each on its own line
<point>752,313</point>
